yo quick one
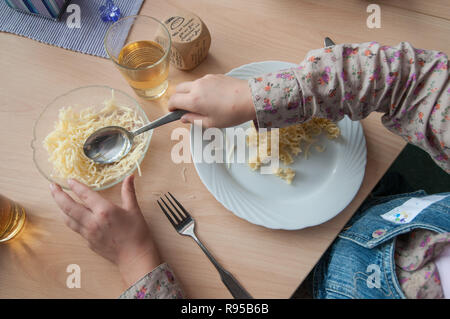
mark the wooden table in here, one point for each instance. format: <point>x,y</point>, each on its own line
<point>269,263</point>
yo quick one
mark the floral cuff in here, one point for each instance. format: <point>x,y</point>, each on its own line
<point>160,283</point>
<point>277,98</point>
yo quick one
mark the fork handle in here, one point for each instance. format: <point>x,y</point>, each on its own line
<point>235,288</point>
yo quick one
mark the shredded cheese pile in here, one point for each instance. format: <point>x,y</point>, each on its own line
<point>65,144</point>
<point>292,141</point>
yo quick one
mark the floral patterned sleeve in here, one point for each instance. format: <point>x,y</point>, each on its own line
<point>410,86</point>
<point>415,255</point>
<point>160,283</point>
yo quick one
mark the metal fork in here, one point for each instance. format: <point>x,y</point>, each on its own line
<point>184,224</point>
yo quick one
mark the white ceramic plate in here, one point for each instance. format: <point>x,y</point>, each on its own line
<point>324,184</point>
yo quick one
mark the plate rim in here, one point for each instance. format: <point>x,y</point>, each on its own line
<point>359,176</point>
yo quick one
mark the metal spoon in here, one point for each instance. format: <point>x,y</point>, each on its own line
<point>109,144</point>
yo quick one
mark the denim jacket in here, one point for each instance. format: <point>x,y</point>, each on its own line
<point>360,263</point>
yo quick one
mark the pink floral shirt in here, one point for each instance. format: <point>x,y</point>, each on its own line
<point>415,255</point>
<point>160,283</point>
<point>410,86</point>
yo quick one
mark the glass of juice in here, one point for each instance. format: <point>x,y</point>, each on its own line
<point>140,48</point>
<point>12,219</point>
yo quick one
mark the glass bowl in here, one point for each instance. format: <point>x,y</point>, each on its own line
<point>78,99</point>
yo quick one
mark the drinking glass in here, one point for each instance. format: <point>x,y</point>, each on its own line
<point>12,219</point>
<point>140,48</point>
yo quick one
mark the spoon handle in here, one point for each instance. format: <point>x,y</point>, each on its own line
<point>328,42</point>
<point>170,117</point>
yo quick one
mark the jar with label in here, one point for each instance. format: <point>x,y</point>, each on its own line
<point>190,38</point>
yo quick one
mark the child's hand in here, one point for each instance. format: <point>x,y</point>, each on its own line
<point>217,100</point>
<point>119,234</point>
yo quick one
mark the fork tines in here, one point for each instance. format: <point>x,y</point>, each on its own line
<point>176,219</point>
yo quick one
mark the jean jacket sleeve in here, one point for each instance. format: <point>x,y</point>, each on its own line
<point>410,86</point>
<point>160,283</point>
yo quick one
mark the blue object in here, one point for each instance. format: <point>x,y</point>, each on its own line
<point>87,39</point>
<point>44,8</point>
<point>368,243</point>
<point>109,11</point>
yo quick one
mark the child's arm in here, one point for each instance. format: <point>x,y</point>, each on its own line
<point>410,86</point>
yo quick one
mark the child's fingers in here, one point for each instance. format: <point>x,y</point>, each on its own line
<point>191,117</point>
<point>92,199</point>
<point>129,200</point>
<point>75,211</point>
<point>184,87</point>
<point>180,101</point>
<point>72,223</point>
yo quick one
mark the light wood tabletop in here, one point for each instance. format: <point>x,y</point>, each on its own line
<point>269,263</point>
